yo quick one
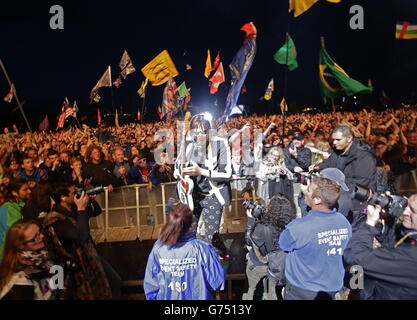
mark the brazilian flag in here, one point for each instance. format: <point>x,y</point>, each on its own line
<point>334,81</point>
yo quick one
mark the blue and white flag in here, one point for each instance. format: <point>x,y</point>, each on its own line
<point>239,68</point>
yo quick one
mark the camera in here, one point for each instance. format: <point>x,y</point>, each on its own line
<point>393,205</point>
<point>301,178</point>
<point>89,192</point>
<point>257,209</point>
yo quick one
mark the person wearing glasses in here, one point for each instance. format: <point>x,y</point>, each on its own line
<point>17,194</point>
<point>143,172</point>
<point>24,270</point>
<point>207,160</point>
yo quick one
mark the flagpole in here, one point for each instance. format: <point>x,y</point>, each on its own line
<point>143,105</point>
<point>285,87</point>
<point>15,95</point>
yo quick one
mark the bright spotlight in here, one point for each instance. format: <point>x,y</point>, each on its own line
<point>208,116</point>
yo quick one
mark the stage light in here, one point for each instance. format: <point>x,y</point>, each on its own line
<point>208,116</point>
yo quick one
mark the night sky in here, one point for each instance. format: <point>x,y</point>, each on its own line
<point>48,65</point>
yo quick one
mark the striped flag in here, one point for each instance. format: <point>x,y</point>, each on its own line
<point>406,30</point>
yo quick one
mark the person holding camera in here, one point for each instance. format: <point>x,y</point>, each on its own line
<point>67,236</point>
<point>261,235</point>
<point>315,243</point>
<point>389,271</point>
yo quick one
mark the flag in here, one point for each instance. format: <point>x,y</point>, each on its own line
<point>105,81</point>
<point>284,106</point>
<point>334,81</point>
<point>287,54</point>
<point>244,89</point>
<point>98,116</point>
<point>182,90</point>
<point>169,99</point>
<point>159,69</point>
<point>188,67</point>
<point>61,120</point>
<point>75,109</point>
<point>217,79</point>
<point>269,90</point>
<point>301,6</point>
<point>68,112</point>
<point>44,125</point>
<point>117,82</point>
<point>159,112</point>
<point>216,61</point>
<point>138,115</point>
<point>8,98</point>
<point>96,98</point>
<point>239,68</point>
<point>126,66</point>
<point>141,90</point>
<point>406,30</point>
<point>208,65</point>
<point>116,119</point>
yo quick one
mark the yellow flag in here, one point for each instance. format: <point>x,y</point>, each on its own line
<point>116,120</point>
<point>159,69</point>
<point>141,90</point>
<point>208,65</point>
<point>301,6</point>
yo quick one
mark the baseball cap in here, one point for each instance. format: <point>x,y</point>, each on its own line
<point>298,136</point>
<point>335,175</point>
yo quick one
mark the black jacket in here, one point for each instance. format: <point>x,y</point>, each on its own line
<point>303,159</point>
<point>358,165</point>
<point>102,173</point>
<point>390,273</point>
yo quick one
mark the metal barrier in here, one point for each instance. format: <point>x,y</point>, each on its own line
<point>126,209</point>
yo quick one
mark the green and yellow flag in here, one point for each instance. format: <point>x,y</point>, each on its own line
<point>334,81</point>
<point>159,69</point>
<point>182,90</point>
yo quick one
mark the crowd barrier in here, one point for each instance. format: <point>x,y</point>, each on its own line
<point>127,209</point>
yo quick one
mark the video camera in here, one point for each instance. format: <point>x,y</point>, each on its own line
<point>90,192</point>
<point>257,209</point>
<point>393,205</point>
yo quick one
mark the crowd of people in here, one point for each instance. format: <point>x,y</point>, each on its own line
<point>44,209</point>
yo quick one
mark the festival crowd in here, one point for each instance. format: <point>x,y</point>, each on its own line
<point>45,211</point>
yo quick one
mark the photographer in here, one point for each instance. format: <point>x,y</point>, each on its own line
<point>315,243</point>
<point>262,234</point>
<point>67,235</point>
<point>390,270</point>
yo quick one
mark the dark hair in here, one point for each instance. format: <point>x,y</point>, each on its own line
<point>41,195</point>
<point>345,130</point>
<point>60,190</point>
<point>179,221</point>
<point>26,156</point>
<point>198,121</point>
<point>14,185</point>
<point>52,152</point>
<point>279,212</point>
<point>327,190</point>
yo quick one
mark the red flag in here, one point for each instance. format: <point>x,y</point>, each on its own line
<point>61,120</point>
<point>159,112</point>
<point>117,82</point>
<point>8,98</point>
<point>44,124</point>
<point>68,112</point>
<point>244,89</point>
<point>250,30</point>
<point>217,79</point>
<point>98,116</point>
<point>216,61</point>
<point>138,115</point>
